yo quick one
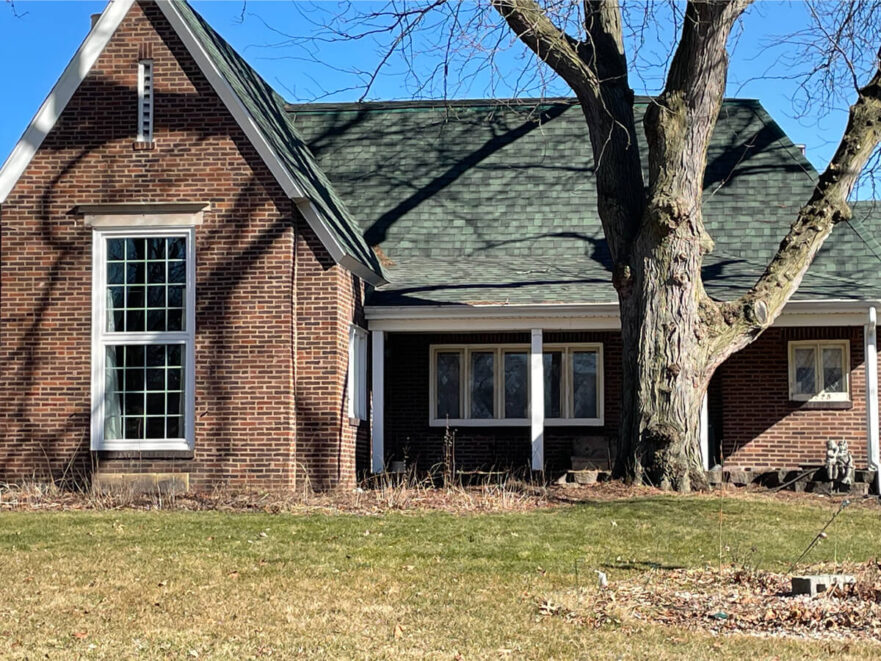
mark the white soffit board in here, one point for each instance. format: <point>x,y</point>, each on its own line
<point>47,116</point>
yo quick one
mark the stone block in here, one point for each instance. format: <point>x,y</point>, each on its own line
<point>815,583</point>
<point>823,488</point>
<point>864,475</point>
<point>141,483</point>
<point>739,477</point>
<point>585,476</point>
<point>588,463</point>
<point>859,489</point>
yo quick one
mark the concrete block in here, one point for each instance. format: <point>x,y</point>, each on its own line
<point>815,583</point>
<point>739,477</point>
<point>585,476</point>
<point>588,463</point>
<point>141,483</point>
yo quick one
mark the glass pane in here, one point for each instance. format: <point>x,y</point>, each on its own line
<point>447,385</point>
<point>155,404</point>
<point>156,355</point>
<point>553,378</point>
<point>584,384</point>
<point>173,427</point>
<point>482,373</point>
<point>134,249</point>
<point>805,371</point>
<point>516,385</point>
<point>115,273</point>
<point>134,321</point>
<point>156,427</point>
<point>156,248</point>
<point>135,296</point>
<point>175,320</point>
<point>156,272</point>
<point>833,369</point>
<point>175,297</point>
<point>175,352</point>
<point>156,297</point>
<point>176,248</point>
<point>177,272</point>
<point>134,428</point>
<point>115,249</point>
<point>134,273</point>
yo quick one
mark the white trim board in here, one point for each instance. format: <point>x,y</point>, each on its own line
<point>80,66</point>
<point>592,316</point>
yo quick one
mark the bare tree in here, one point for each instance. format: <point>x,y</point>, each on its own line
<point>674,335</point>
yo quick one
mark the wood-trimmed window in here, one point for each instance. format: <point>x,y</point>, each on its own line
<point>489,385</point>
<point>143,329</point>
<point>819,371</point>
<point>357,373</point>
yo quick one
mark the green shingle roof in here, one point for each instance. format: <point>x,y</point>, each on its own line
<point>267,109</point>
<point>494,202</point>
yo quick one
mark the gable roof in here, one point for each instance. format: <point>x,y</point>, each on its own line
<point>493,202</point>
<point>257,108</point>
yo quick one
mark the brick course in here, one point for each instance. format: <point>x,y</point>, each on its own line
<point>271,306</point>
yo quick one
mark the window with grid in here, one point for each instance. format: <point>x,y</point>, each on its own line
<point>144,339</point>
<point>475,385</point>
<point>819,370</point>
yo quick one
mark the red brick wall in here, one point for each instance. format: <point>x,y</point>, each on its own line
<point>407,402</point>
<point>247,331</point>
<point>762,428</point>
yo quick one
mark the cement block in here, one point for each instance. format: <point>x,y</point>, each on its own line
<point>816,583</point>
<point>140,483</point>
<point>585,476</point>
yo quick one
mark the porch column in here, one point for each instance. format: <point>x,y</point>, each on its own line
<point>705,434</point>
<point>377,429</point>
<point>870,336</point>
<point>537,400</point>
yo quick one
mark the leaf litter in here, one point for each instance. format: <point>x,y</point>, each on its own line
<point>731,601</point>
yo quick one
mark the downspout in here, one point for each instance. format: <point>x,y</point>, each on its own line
<point>870,336</point>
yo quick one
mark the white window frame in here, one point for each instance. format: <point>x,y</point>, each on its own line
<point>818,346</point>
<point>146,92</point>
<point>357,373</point>
<point>101,338</point>
<point>566,394</point>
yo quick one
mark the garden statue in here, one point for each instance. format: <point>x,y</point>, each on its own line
<point>845,464</point>
<point>831,460</point>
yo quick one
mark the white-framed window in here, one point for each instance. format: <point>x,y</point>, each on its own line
<point>143,330</point>
<point>357,373</point>
<point>145,101</point>
<point>489,385</point>
<point>819,370</point>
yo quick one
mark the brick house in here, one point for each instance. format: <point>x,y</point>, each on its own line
<point>199,279</point>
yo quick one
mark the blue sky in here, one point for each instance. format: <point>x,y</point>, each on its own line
<point>36,45</point>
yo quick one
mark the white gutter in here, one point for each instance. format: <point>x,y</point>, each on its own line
<point>871,363</point>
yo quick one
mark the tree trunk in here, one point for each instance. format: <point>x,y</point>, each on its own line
<point>667,358</point>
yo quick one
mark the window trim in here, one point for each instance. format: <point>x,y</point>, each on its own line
<point>102,338</point>
<point>145,100</point>
<point>818,346</point>
<point>567,394</point>
<point>357,381</point>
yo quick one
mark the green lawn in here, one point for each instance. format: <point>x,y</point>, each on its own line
<point>123,584</point>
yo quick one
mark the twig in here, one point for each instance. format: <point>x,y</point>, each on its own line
<point>820,535</point>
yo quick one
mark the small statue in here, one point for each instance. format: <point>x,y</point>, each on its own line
<point>832,460</point>
<point>845,464</point>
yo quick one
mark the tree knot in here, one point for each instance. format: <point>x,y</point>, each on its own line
<point>622,279</point>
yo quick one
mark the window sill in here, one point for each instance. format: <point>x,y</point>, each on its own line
<point>356,422</point>
<point>831,405</point>
<point>145,454</point>
<point>519,422</point>
<point>143,145</point>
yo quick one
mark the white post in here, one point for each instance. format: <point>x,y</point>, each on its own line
<point>705,434</point>
<point>537,400</point>
<point>870,336</point>
<point>377,430</point>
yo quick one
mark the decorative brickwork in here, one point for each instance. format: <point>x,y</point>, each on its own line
<point>267,291</point>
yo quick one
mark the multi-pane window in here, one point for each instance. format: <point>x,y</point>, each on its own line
<point>818,370</point>
<point>145,101</point>
<point>143,355</point>
<point>357,373</point>
<point>479,385</point>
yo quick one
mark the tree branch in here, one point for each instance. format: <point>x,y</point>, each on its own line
<point>596,70</point>
<point>759,307</point>
<point>681,120</point>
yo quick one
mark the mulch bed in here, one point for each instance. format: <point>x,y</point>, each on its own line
<point>731,601</point>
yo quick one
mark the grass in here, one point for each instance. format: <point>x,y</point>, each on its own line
<point>170,584</point>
